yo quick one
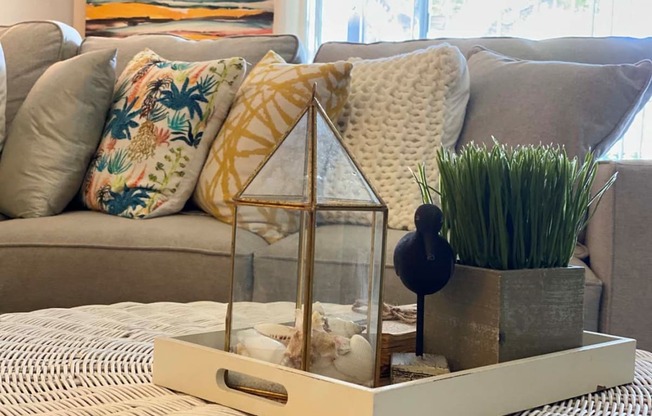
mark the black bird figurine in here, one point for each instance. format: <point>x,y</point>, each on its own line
<point>424,260</point>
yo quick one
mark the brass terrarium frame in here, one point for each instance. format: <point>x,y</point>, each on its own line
<point>306,260</point>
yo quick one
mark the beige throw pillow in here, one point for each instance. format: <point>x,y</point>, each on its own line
<point>400,111</point>
<point>54,134</point>
<point>581,106</point>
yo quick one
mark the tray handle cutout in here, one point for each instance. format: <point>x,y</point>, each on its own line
<point>243,383</point>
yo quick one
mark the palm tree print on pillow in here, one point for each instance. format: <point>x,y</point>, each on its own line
<point>164,116</point>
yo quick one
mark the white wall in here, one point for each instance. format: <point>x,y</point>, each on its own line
<point>12,11</point>
<point>291,16</point>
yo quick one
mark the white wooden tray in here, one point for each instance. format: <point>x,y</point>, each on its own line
<point>196,365</point>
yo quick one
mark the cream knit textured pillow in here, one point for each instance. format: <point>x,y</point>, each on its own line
<point>400,110</point>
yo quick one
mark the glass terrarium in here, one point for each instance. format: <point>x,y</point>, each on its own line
<point>326,267</point>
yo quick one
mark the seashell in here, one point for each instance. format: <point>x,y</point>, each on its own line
<point>343,345</point>
<point>343,327</point>
<point>317,320</point>
<point>262,348</point>
<point>324,346</point>
<point>358,364</point>
<point>278,332</point>
<point>245,333</point>
<point>318,307</point>
<point>328,369</point>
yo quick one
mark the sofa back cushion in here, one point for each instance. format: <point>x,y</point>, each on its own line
<point>30,48</point>
<point>494,111</point>
<point>584,107</point>
<point>174,48</point>
<point>607,50</point>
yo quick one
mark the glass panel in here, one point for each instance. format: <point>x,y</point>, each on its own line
<point>285,175</point>
<point>376,279</point>
<point>338,179</point>
<point>342,285</point>
<point>262,330</point>
<point>344,299</point>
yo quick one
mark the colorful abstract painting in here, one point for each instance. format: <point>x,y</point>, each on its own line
<point>192,19</point>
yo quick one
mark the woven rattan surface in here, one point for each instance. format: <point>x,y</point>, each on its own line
<point>97,360</point>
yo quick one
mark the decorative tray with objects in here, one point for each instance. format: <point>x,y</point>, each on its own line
<point>197,365</point>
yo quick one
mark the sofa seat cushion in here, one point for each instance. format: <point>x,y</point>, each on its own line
<point>87,257</point>
<point>275,270</point>
<point>175,48</point>
<point>30,48</point>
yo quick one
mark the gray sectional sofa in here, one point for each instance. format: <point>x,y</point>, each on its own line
<point>82,257</point>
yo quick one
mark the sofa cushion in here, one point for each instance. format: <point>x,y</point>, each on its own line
<point>400,112</point>
<point>583,107</point>
<point>88,257</point>
<point>598,50</point>
<point>54,135</point>
<point>175,48</point>
<point>335,270</point>
<point>164,117</point>
<point>268,103</point>
<point>30,48</point>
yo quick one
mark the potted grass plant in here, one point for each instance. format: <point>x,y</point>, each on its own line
<point>512,216</point>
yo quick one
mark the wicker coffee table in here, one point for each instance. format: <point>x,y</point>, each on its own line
<point>97,360</point>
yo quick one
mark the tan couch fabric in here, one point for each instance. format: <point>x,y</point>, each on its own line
<point>618,238</point>
<point>87,257</point>
<point>51,140</point>
<point>174,48</point>
<point>582,107</point>
<point>610,50</point>
<point>30,48</point>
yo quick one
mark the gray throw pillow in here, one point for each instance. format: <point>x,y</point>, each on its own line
<point>583,107</point>
<point>54,135</point>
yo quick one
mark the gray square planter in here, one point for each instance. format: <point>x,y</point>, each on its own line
<point>486,316</point>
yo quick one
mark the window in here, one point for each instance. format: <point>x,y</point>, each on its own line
<point>377,20</point>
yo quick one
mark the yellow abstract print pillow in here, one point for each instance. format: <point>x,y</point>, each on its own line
<point>268,103</point>
<point>163,119</point>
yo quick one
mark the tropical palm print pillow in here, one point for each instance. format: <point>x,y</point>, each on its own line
<point>164,116</point>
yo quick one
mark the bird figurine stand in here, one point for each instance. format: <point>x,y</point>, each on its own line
<point>424,261</point>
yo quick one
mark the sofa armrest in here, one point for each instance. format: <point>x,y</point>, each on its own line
<point>619,238</point>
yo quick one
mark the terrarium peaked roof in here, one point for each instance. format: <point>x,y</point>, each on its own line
<point>310,167</point>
